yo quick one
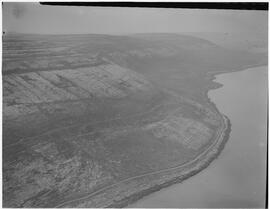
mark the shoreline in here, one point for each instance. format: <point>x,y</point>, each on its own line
<point>177,176</point>
<point>226,136</point>
<point>213,75</point>
<point>168,176</point>
<point>135,197</point>
<point>181,177</point>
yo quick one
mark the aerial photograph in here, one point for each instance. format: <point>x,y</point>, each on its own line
<point>134,105</point>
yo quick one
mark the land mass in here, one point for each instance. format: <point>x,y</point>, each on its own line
<point>100,120</point>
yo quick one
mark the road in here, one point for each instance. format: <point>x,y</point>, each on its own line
<point>218,138</point>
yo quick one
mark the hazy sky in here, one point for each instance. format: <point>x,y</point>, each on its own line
<point>35,18</point>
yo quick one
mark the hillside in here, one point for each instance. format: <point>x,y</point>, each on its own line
<point>89,120</point>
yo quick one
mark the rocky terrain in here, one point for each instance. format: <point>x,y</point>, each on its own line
<point>98,120</point>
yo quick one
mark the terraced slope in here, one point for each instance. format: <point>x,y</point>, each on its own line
<point>88,121</point>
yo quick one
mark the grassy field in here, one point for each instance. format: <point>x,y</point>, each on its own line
<point>83,112</point>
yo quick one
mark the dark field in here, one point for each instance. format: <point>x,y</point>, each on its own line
<point>99,120</point>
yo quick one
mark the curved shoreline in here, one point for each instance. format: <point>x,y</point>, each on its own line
<point>122,199</point>
<point>206,162</point>
<point>176,175</point>
<point>172,176</point>
<point>137,196</point>
<point>234,161</point>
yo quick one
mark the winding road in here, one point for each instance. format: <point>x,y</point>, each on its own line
<point>218,139</point>
<point>87,196</point>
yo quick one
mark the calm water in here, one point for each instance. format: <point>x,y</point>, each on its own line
<point>237,177</point>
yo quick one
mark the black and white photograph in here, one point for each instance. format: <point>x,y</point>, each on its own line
<point>134,104</point>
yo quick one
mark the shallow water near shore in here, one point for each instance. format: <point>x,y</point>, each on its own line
<point>237,178</point>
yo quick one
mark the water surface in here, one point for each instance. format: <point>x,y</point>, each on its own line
<point>238,177</point>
